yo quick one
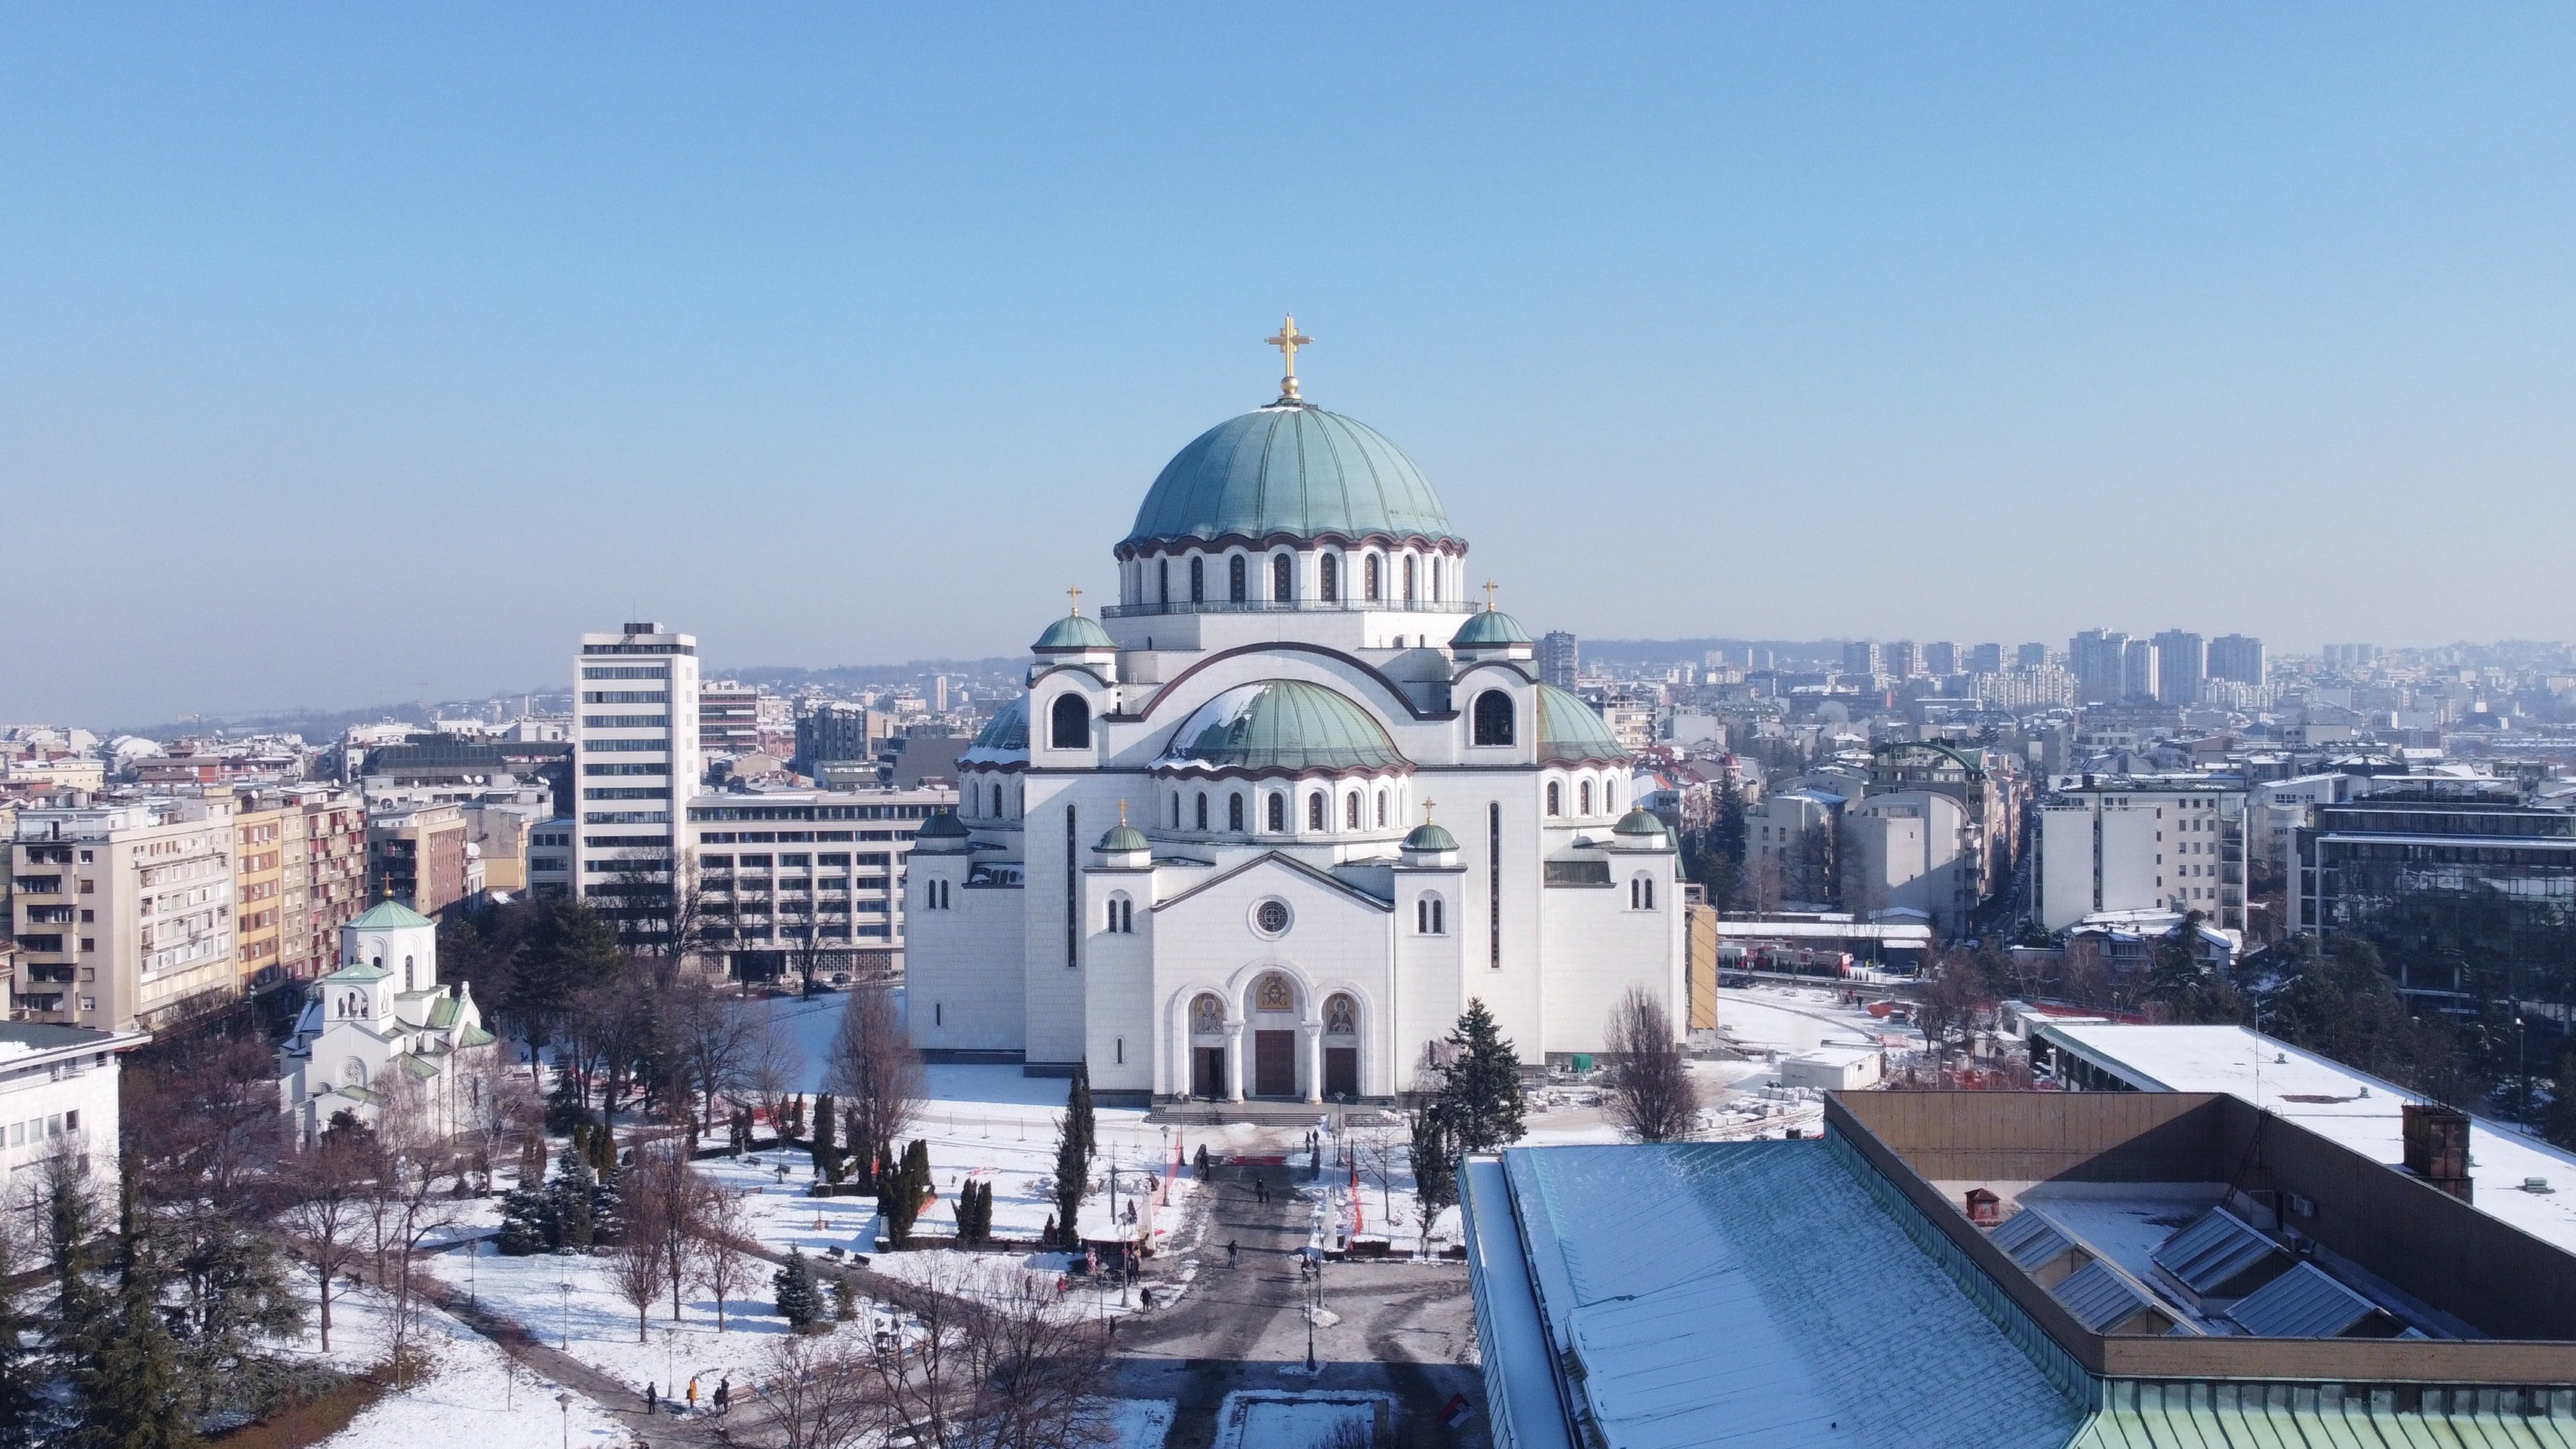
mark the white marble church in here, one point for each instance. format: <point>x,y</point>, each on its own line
<point>1264,827</point>
<point>382,1027</point>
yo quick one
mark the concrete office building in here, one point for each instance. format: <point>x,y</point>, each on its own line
<point>729,718</point>
<point>2182,661</point>
<point>125,912</point>
<point>1987,659</point>
<point>2117,843</point>
<point>1911,850</point>
<point>791,876</point>
<point>1862,657</point>
<point>2099,658</point>
<point>58,1093</point>
<point>2138,671</point>
<point>2238,658</point>
<point>2031,656</point>
<point>1559,659</point>
<point>421,856</point>
<point>635,743</point>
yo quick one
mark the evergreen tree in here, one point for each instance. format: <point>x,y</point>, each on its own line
<point>1077,1105</point>
<point>845,1299</point>
<point>569,1201</point>
<point>127,1378</point>
<point>523,1223</point>
<point>794,1283</point>
<point>1479,1099</point>
<point>20,1377</point>
<point>1072,1167</point>
<point>827,1151</point>
<point>603,1150</point>
<point>572,949</point>
<point>1435,1167</point>
<point>607,1210</point>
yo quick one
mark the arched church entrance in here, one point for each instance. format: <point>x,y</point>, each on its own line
<point>1274,1035</point>
<point>1341,1047</point>
<point>1207,1047</point>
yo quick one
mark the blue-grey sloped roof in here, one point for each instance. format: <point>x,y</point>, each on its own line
<point>1293,470</point>
<point>1281,724</point>
<point>1569,729</point>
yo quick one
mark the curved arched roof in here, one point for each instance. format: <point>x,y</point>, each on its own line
<point>1571,731</point>
<point>1290,470</point>
<point>1281,726</point>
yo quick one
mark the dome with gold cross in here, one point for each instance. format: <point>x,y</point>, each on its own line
<point>1290,471</point>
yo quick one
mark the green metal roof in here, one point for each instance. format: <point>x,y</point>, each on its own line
<point>1124,837</point>
<point>387,915</point>
<point>1569,729</point>
<point>1005,735</point>
<point>2311,1416</point>
<point>1294,470</point>
<point>1639,821</point>
<point>943,826</point>
<point>1489,627</point>
<point>1073,632</point>
<point>1282,724</point>
<point>357,973</point>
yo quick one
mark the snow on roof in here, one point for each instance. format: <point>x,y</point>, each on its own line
<point>1684,1279</point>
<point>2334,1101</point>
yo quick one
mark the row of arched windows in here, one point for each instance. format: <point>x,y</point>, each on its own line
<point>1191,810</point>
<point>1403,578</point>
<point>1122,915</point>
<point>1584,797</point>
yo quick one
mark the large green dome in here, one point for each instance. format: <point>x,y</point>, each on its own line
<point>1281,725</point>
<point>1572,731</point>
<point>1292,471</point>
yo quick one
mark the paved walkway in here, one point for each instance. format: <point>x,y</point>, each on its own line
<point>614,1398</point>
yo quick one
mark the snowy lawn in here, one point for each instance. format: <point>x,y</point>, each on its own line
<point>472,1392</point>
<point>1269,1419</point>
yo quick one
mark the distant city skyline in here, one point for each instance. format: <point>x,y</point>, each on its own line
<point>373,354</point>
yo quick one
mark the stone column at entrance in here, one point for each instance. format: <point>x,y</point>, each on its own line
<point>1235,1037</point>
<point>1310,1044</point>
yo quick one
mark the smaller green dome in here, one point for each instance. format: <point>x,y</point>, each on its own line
<point>1006,733</point>
<point>943,826</point>
<point>390,915</point>
<point>1489,628</point>
<point>1073,633</point>
<point>1427,837</point>
<point>1123,838</point>
<point>1638,822</point>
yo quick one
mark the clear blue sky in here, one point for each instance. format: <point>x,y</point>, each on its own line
<point>351,353</point>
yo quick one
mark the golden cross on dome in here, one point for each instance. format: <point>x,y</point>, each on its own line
<point>1288,340</point>
<point>1075,594</point>
<point>1122,812</point>
<point>1490,586</point>
<point>1426,810</point>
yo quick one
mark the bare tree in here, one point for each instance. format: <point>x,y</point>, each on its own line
<point>822,1393</point>
<point>1651,1096</point>
<point>1382,1145</point>
<point>666,1199</point>
<point>413,1152</point>
<point>325,1189</point>
<point>874,1069</point>
<point>773,1066</point>
<point>635,1266</point>
<point>724,1266</point>
<point>504,1112</point>
<point>994,1362</point>
<point>715,1041</point>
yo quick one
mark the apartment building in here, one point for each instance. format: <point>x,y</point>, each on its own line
<point>334,860</point>
<point>259,895</point>
<point>785,874</point>
<point>2182,661</point>
<point>124,912</point>
<point>729,717</point>
<point>1560,658</point>
<point>2124,843</point>
<point>550,858</point>
<point>58,1093</point>
<point>2099,658</point>
<point>421,856</point>
<point>2138,671</point>
<point>2236,657</point>
<point>635,737</point>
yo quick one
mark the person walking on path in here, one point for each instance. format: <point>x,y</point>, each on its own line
<point>1233,1254</point>
<point>724,1394</point>
<point>652,1401</point>
<point>693,1393</point>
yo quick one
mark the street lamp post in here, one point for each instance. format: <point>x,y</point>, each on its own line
<point>563,1401</point>
<point>563,1289</point>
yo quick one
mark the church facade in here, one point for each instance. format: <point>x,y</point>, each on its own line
<point>1264,827</point>
<point>382,1031</point>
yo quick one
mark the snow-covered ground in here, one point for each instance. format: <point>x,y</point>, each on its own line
<point>548,1294</point>
<point>1276,1419</point>
<point>472,1392</point>
<point>1793,1019</point>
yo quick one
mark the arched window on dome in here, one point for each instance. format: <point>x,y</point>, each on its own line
<point>1278,813</point>
<point>1198,580</point>
<point>1351,811</point>
<point>1555,798</point>
<point>1433,564</point>
<point>1429,919</point>
<point>1381,809</point>
<point>1163,578</point>
<point>1234,582</point>
<point>1330,569</point>
<point>1315,811</point>
<point>997,799</point>
<point>1641,893</point>
<point>1583,798</point>
<point>1368,578</point>
<point>1202,810</point>
<point>1408,578</point>
<point>1070,723</point>
<point>1176,809</point>
<point>1283,577</point>
<point>1493,718</point>
<point>1234,812</point>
